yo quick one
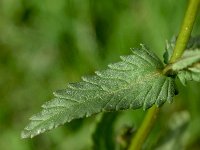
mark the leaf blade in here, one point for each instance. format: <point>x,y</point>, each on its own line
<point>117,88</point>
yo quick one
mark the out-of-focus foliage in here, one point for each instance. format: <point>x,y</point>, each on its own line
<point>45,44</point>
<point>103,137</point>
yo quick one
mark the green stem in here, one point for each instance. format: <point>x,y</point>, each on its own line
<point>186,30</point>
<point>144,129</point>
<point>181,43</point>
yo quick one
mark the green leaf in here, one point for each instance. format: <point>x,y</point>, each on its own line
<point>137,81</point>
<point>189,58</point>
<point>190,74</point>
<point>169,49</point>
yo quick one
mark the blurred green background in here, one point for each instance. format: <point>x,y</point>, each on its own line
<point>46,44</point>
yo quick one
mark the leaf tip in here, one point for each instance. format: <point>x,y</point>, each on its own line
<point>31,133</point>
<point>25,134</point>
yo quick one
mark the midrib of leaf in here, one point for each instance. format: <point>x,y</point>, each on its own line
<point>77,103</point>
<point>148,77</point>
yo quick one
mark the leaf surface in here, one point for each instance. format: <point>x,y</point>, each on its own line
<point>190,74</point>
<point>136,81</point>
<point>189,58</point>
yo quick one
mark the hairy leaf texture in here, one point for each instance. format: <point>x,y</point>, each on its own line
<point>189,58</point>
<point>136,81</point>
<point>190,74</point>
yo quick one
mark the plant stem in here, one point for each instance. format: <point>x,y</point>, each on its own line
<point>144,129</point>
<point>186,30</point>
<point>181,43</point>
